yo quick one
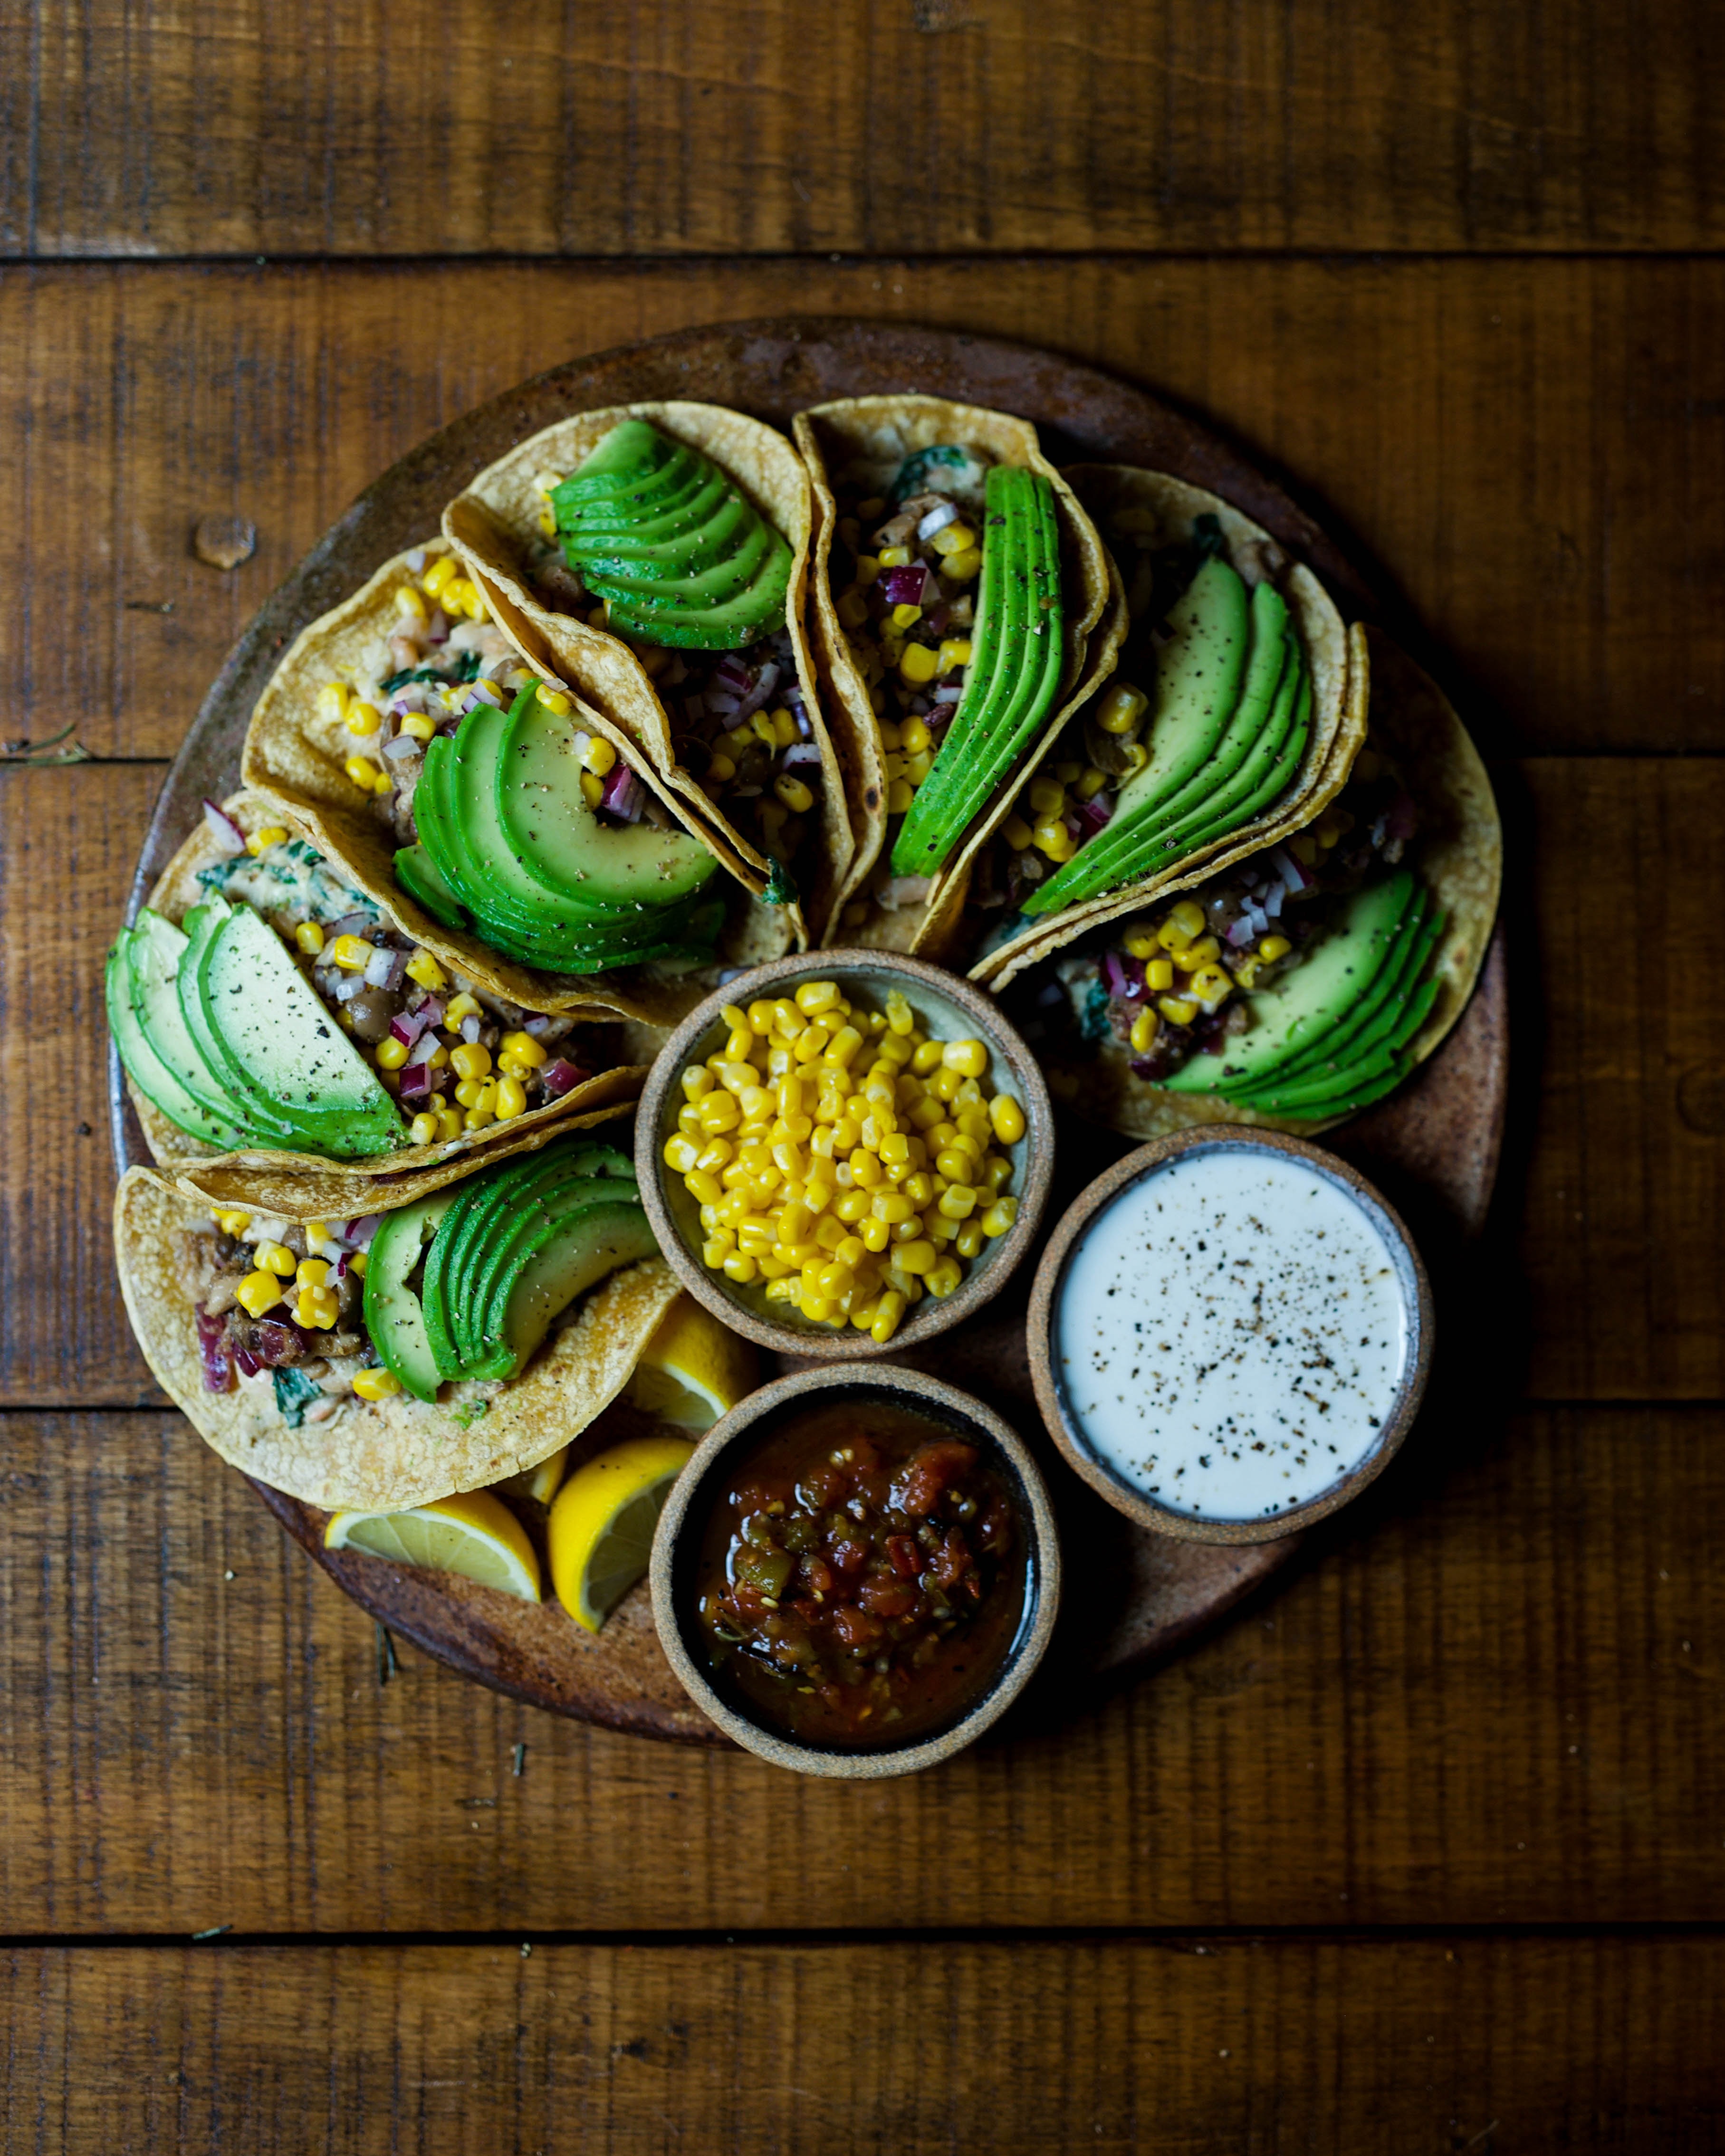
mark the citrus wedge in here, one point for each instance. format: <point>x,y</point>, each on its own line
<point>474,1534</point>
<point>601,1529</point>
<point>694,1369</point>
<point>540,1483</point>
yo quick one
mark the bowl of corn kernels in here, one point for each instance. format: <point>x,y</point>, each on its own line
<point>844,1152</point>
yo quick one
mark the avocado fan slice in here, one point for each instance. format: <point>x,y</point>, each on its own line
<point>716,581</point>
<point>488,1247</point>
<point>1322,990</point>
<point>584,1249</point>
<point>553,1215</point>
<point>394,1316</point>
<point>419,876</point>
<point>144,1017</point>
<point>996,717</point>
<point>1318,1092</point>
<point>251,1108</point>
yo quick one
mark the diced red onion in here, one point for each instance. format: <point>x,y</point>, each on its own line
<point>766,681</point>
<point>278,1343</point>
<point>745,793</point>
<point>360,1231</point>
<point>416,560</point>
<point>936,620</point>
<point>538,1027</point>
<point>470,1026</point>
<point>732,673</point>
<point>222,829</point>
<point>247,1365</point>
<point>217,1371</point>
<point>560,1077</point>
<point>906,587</point>
<point>695,709</point>
<point>417,1081</point>
<point>347,987</point>
<point>1294,877</point>
<point>1401,818</point>
<point>937,520</point>
<point>718,703</point>
<point>427,1007</point>
<point>1030,867</point>
<point>624,795</point>
<point>401,747</point>
<point>800,754</point>
<point>1125,976</point>
<point>350,924</point>
<point>1091,817</point>
<point>437,630</point>
<point>1143,1069</point>
<point>407,1026</point>
<point>1241,933</point>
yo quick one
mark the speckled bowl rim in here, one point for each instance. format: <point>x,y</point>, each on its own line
<point>1044,1580</point>
<point>928,1317</point>
<point>1144,1511</point>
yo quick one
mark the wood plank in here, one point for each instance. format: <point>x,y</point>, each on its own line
<point>1345,2045</point>
<point>936,126</point>
<point>1533,452</point>
<point>1488,1699</point>
<point>1603,1281</point>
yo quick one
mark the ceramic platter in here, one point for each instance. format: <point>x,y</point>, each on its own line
<point>1433,1147</point>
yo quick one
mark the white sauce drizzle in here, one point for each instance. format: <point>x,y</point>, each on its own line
<point>1230,1333</point>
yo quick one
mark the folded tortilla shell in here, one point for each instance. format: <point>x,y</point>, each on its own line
<point>1458,852</point>
<point>295,753</point>
<point>874,435</point>
<point>305,1186</point>
<point>495,523</point>
<point>1128,502</point>
<point>395,1452</point>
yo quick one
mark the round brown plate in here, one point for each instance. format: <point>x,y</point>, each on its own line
<point>1433,1149</point>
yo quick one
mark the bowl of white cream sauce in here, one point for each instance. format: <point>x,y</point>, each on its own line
<point>1229,1333</point>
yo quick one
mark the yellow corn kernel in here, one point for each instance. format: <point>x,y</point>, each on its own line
<point>317,1307</point>
<point>258,1291</point>
<point>1272,948</point>
<point>1121,709</point>
<point>1189,916</point>
<point>410,605</point>
<point>917,663</point>
<point>523,1048</point>
<point>438,573</point>
<point>363,718</point>
<point>1007,1118</point>
<point>956,1201</point>
<point>813,996</point>
<point>423,1128</point>
<point>1209,984</point>
<point>599,756</point>
<point>1141,943</point>
<point>1047,797</point>
<point>511,1099</point>
<point>275,1258</point>
<point>954,652</point>
<point>261,842</point>
<point>376,1383</point>
<point>314,1272</point>
<point>1090,783</point>
<point>706,1189</point>
<point>999,1217</point>
<point>963,565</point>
<point>714,1154</point>
<point>1159,973</point>
<point>478,1118</point>
<point>356,1263</point>
<point>1017,834</point>
<point>853,607</point>
<point>1177,1010</point>
<point>593,791</point>
<point>888,1312</point>
<point>391,1053</point>
<point>1053,839</point>
<point>942,1278</point>
<point>794,794</point>
<point>233,1223</point>
<point>471,1060</point>
<point>915,1256</point>
<point>894,557</point>
<point>741,1267</point>
<point>1197,954</point>
<point>362,772</point>
<point>1304,850</point>
<point>467,1093</point>
<point>449,1124</point>
<point>424,969</point>
<point>332,699</point>
<point>310,938</point>
<point>841,1049</point>
<point>719,1112</point>
<point>1145,1027</point>
<point>906,616</point>
<point>969,1057</point>
<point>697,1082</point>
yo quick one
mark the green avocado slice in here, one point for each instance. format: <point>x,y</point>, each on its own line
<point>580,1238</point>
<point>263,1123</point>
<point>394,1316</point>
<point>489,1242</point>
<point>1311,1000</point>
<point>419,876</point>
<point>1374,1019</point>
<point>144,1016</point>
<point>1200,677</point>
<point>1273,648</point>
<point>715,581</point>
<point>524,1237</point>
<point>1312,1094</point>
<point>1021,626</point>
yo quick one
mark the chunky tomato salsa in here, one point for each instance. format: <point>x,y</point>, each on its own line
<point>862,1575</point>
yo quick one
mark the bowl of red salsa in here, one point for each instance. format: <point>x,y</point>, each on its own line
<point>857,1572</point>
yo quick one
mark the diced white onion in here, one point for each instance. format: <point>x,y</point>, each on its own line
<point>937,520</point>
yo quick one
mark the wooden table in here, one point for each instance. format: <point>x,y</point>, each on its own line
<point>1424,1851</point>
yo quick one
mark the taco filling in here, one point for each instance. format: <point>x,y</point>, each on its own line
<point>288,1012</point>
<point>1292,984</point>
<point>650,541</point>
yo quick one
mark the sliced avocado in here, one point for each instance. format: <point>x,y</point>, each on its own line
<point>264,1122</point>
<point>420,877</point>
<point>1251,792</point>
<point>579,1247</point>
<point>394,1317</point>
<point>1302,1009</point>
<point>140,975</point>
<point>523,1233</point>
<point>1014,676</point>
<point>291,1056</point>
<point>699,570</point>
<point>1272,651</point>
<point>1313,1094</point>
<point>1199,675</point>
<point>543,820</point>
<point>1373,1019</point>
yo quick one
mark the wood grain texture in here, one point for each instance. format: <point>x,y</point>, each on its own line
<point>940,125</point>
<point>1353,2047</point>
<point>1603,1282</point>
<point>1532,451</point>
<point>1488,1699</point>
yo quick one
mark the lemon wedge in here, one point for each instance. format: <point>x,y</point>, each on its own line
<point>540,1483</point>
<point>475,1535</point>
<point>601,1528</point>
<point>694,1369</point>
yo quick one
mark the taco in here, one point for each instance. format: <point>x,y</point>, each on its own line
<point>392,1359</point>
<point>963,606</point>
<point>281,1031</point>
<point>1233,717</point>
<point>656,557</point>
<point>513,830</point>
<point>1301,984</point>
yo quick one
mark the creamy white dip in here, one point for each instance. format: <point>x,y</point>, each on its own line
<point>1231,1332</point>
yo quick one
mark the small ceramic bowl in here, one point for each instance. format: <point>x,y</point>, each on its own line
<point>954,1011</point>
<point>677,1550</point>
<point>1057,1413</point>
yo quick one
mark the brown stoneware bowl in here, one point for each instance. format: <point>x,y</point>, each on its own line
<point>1050,1391</point>
<point>676,1549</point>
<point>954,1011</point>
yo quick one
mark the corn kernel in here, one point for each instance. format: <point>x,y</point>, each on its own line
<point>894,557</point>
<point>275,1258</point>
<point>1007,1118</point>
<point>956,1201</point>
<point>905,617</point>
<point>410,605</point>
<point>478,1118</point>
<point>1090,783</point>
<point>1272,948</point>
<point>1209,984</point>
<point>1197,954</point>
<point>438,573</point>
<point>813,996</point>
<point>471,1060</point>
<point>450,1124</point>
<point>1121,709</point>
<point>261,842</point>
<point>1145,1028</point>
<point>524,1048</point>
<point>888,1312</point>
<point>1047,797</point>
<point>969,1057</point>
<point>258,1291</point>
<point>1159,973</point>
<point>794,794</point>
<point>593,791</point>
<point>1141,943</point>
<point>942,1279</point>
<point>999,1217</point>
<point>233,1223</point>
<point>356,1263</point>
<point>1177,1010</point>
<point>362,772</point>
<point>1017,834</point>
<point>332,698</point>
<point>391,1053</point>
<point>314,1272</point>
<point>310,938</point>
<point>953,538</point>
<point>955,652</point>
<point>739,1267</point>
<point>900,794</point>
<point>363,719</point>
<point>1054,839</point>
<point>423,1128</point>
<point>600,758</point>
<point>915,1256</point>
<point>917,663</point>
<point>467,1093</point>
<point>424,969</point>
<point>719,1112</point>
<point>376,1383</point>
